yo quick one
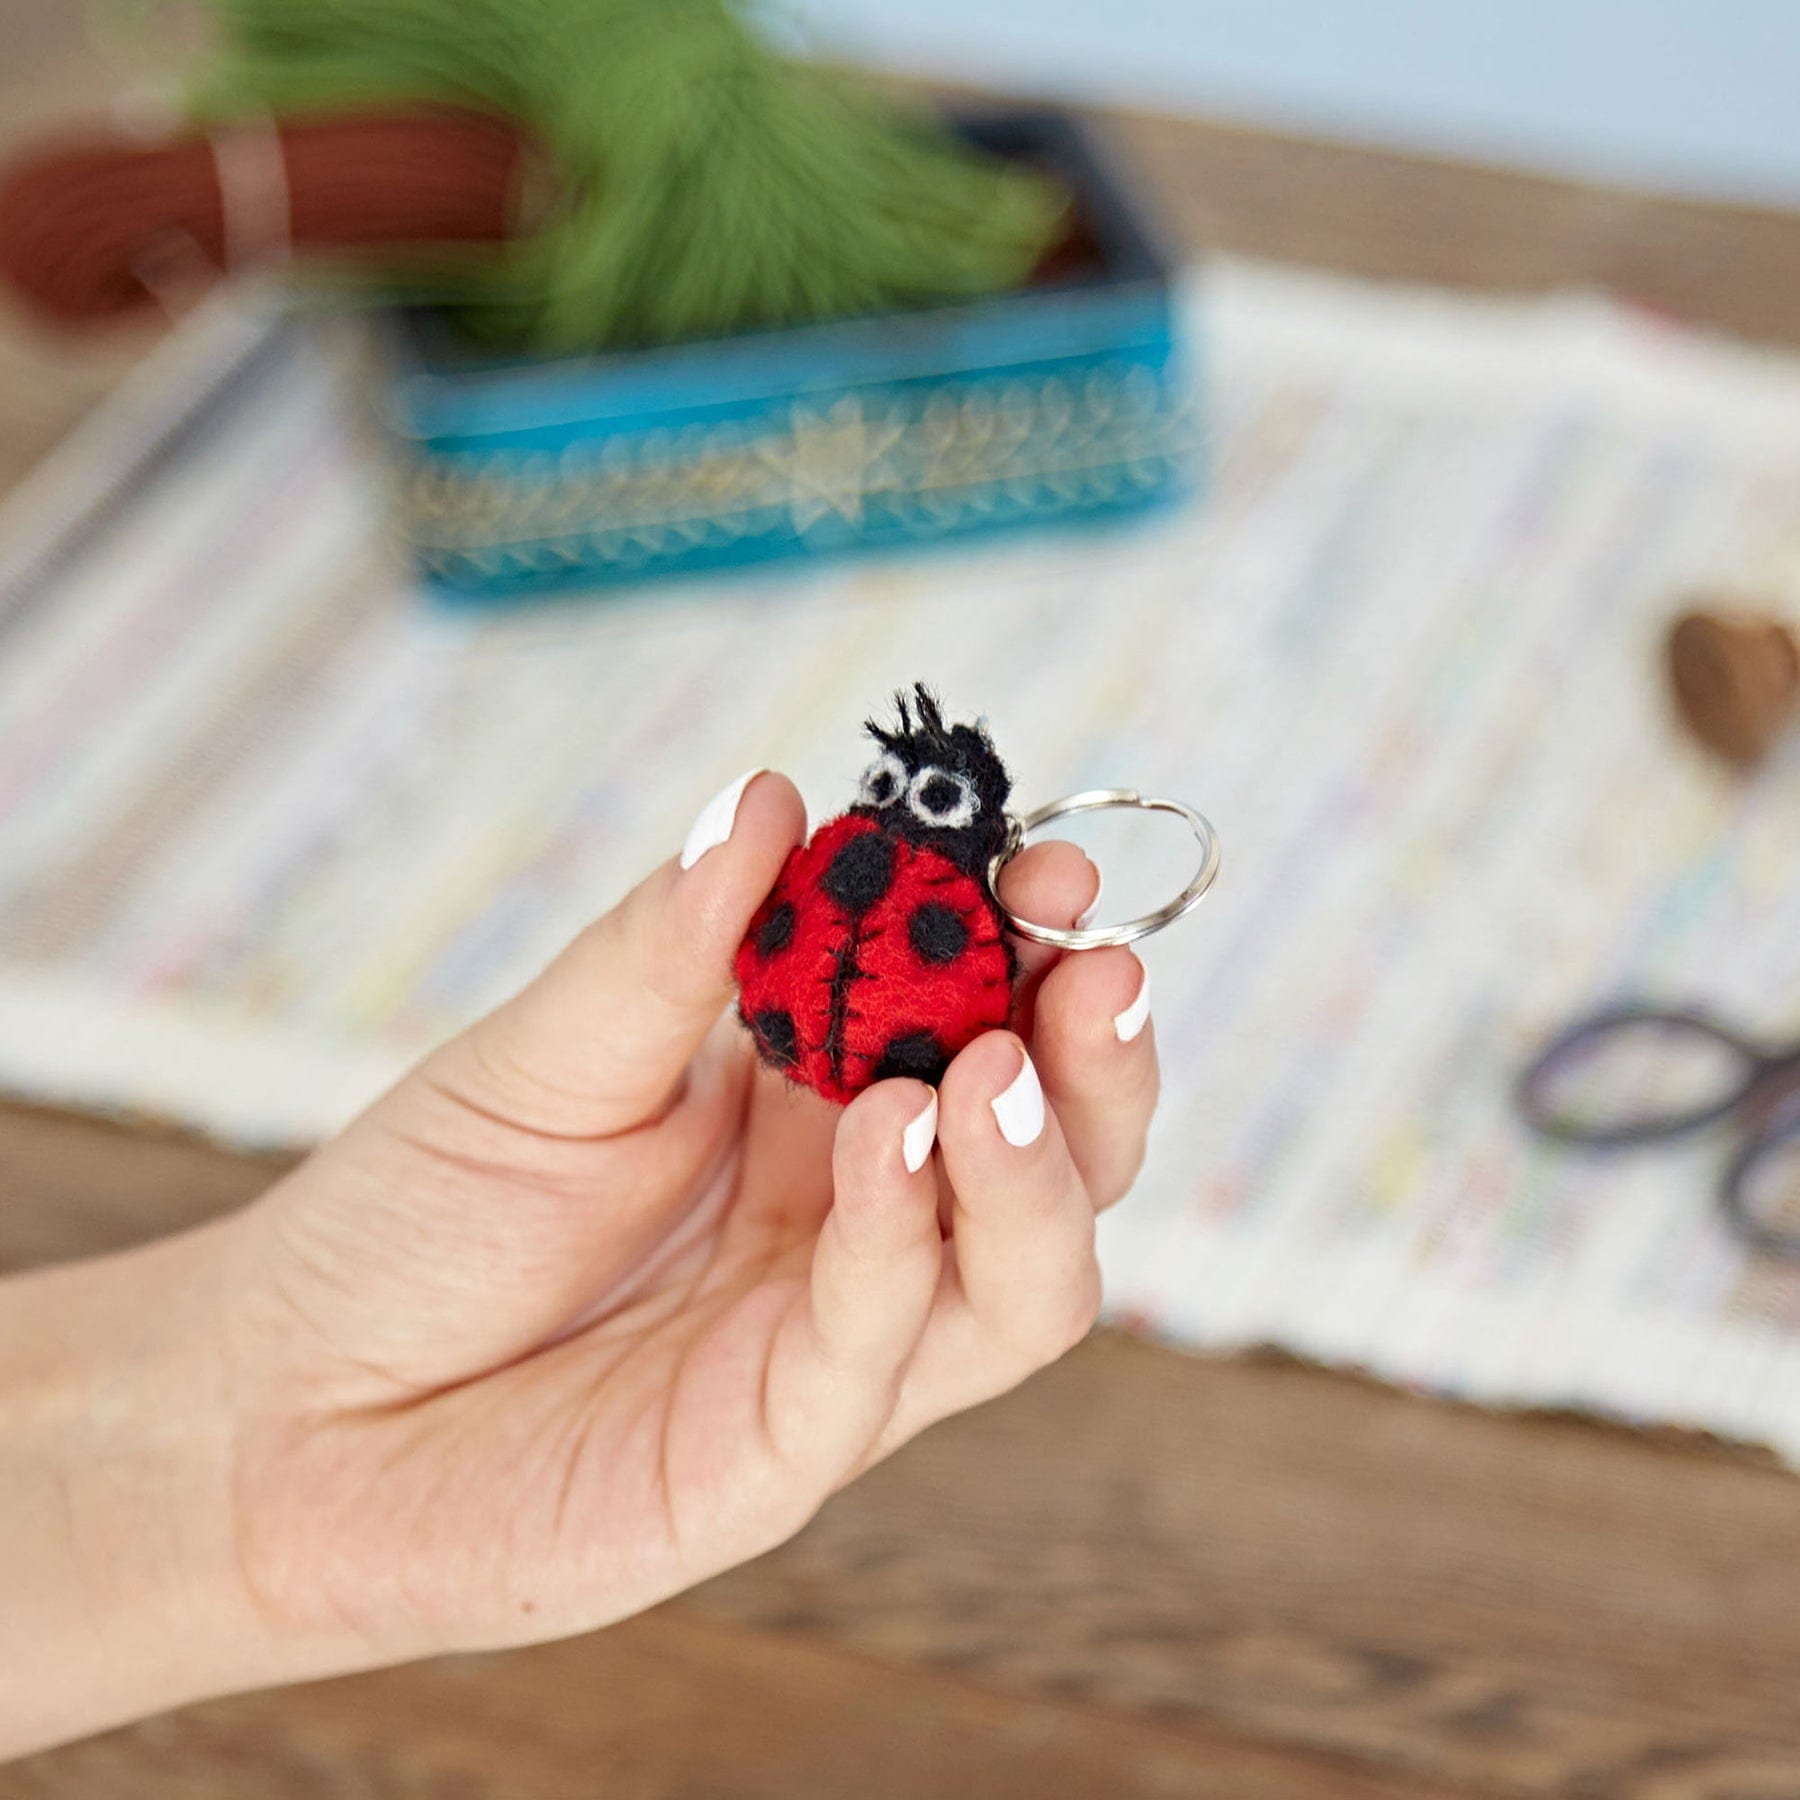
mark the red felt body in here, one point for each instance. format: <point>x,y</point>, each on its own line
<point>853,983</point>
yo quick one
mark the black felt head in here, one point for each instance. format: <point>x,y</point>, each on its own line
<point>936,784</point>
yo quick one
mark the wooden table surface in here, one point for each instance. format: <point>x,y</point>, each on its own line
<point>1141,1574</point>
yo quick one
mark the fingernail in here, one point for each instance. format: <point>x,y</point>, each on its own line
<point>1091,911</point>
<point>1019,1107</point>
<point>1133,1019</point>
<point>918,1137</point>
<point>716,819</point>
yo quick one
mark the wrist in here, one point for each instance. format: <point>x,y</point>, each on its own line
<point>118,1553</point>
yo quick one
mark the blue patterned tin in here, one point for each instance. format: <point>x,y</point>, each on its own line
<point>1062,401</point>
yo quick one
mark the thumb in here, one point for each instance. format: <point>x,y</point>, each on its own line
<point>600,1041</point>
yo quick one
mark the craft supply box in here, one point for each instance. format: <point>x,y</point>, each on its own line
<point>1062,401</point>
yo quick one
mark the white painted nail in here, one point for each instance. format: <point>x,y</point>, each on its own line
<point>1091,911</point>
<point>1019,1108</point>
<point>918,1137</point>
<point>1133,1019</point>
<point>716,819</point>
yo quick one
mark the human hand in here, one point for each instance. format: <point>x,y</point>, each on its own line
<point>591,1307</point>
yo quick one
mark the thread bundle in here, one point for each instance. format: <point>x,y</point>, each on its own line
<point>94,230</point>
<point>701,183</point>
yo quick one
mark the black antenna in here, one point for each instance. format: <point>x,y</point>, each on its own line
<point>930,732</point>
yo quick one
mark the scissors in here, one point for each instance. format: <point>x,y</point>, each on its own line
<point>1757,1085</point>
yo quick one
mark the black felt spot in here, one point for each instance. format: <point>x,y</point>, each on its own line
<point>776,932</point>
<point>916,1054</point>
<point>776,1036</point>
<point>937,933</point>
<point>861,872</point>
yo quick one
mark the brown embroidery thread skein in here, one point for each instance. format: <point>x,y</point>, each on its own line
<point>84,226</point>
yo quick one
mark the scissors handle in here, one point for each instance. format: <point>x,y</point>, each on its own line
<point>1758,1192</point>
<point>1665,1032</point>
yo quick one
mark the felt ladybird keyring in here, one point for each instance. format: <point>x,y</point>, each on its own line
<point>884,947</point>
<point>881,950</point>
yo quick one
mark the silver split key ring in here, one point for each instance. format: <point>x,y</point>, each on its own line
<point>1099,937</point>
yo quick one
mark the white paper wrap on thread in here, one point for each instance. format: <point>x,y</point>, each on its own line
<point>270,826</point>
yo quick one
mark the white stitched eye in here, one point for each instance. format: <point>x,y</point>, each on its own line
<point>939,798</point>
<point>883,781</point>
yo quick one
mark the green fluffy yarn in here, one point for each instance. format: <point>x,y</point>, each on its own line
<point>706,184</point>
